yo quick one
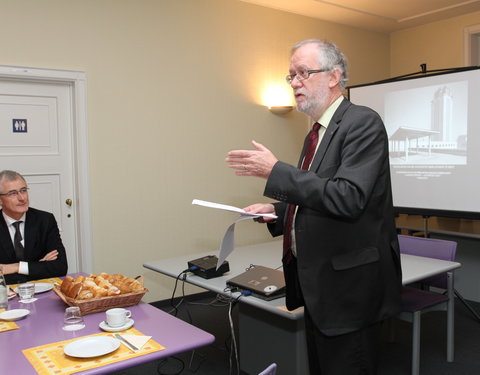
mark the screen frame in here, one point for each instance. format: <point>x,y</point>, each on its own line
<point>425,212</point>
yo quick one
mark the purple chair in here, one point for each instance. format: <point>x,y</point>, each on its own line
<point>416,301</point>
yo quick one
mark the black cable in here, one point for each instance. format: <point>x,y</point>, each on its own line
<point>163,362</point>
<point>175,307</point>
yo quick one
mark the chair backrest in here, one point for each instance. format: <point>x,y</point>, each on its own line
<point>430,248</point>
<point>270,370</point>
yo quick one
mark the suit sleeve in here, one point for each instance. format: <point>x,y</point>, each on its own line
<point>348,173</point>
<point>48,239</point>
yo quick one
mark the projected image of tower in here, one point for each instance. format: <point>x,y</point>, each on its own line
<point>442,119</point>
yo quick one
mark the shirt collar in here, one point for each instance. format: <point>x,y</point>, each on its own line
<point>329,112</point>
<point>10,221</point>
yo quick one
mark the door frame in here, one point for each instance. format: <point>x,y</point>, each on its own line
<point>469,33</point>
<point>81,184</point>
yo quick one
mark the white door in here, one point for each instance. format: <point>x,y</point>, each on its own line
<point>36,127</point>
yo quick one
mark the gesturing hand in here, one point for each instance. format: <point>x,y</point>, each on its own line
<point>258,162</point>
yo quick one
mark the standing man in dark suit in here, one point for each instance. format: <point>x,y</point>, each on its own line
<point>341,256</point>
<point>34,250</point>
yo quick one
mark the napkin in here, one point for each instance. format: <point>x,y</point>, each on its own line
<point>137,340</point>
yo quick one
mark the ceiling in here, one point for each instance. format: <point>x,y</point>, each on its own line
<point>377,15</point>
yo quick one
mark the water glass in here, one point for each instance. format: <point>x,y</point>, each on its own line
<point>26,292</point>
<point>73,319</point>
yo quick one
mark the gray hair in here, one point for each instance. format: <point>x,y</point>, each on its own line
<point>329,57</point>
<point>7,175</point>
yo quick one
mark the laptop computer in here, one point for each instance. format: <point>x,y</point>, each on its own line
<point>263,282</point>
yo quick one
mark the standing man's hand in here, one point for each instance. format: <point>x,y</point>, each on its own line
<point>261,208</point>
<point>257,163</point>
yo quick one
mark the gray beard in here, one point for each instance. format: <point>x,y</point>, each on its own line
<point>314,106</point>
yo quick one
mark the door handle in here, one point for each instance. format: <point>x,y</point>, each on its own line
<point>68,202</point>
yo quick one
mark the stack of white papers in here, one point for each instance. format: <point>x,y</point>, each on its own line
<point>227,245</point>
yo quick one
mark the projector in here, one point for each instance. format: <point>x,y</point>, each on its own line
<point>206,267</point>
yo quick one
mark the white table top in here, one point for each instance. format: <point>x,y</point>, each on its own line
<point>269,254</point>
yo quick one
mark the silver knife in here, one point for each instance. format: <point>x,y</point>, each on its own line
<point>133,347</point>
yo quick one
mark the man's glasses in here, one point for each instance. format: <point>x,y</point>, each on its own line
<point>14,193</point>
<point>303,74</point>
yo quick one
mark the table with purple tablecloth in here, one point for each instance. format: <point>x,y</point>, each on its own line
<point>44,326</point>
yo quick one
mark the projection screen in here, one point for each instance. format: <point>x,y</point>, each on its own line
<point>433,127</point>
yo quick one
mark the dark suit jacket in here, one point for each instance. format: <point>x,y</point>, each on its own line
<point>347,272</point>
<point>41,237</point>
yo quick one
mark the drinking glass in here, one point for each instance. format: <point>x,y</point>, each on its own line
<point>73,319</point>
<point>26,292</point>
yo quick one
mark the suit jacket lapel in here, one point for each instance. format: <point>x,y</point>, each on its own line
<point>5,240</point>
<point>30,225</point>
<point>329,134</point>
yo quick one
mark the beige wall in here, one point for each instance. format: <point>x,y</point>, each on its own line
<point>172,86</point>
<point>440,45</point>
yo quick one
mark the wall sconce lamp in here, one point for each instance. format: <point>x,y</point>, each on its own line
<point>280,109</point>
<point>278,98</point>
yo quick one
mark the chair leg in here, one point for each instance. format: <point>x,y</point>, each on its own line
<point>416,343</point>
<point>450,317</point>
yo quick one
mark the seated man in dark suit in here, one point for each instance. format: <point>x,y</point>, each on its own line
<point>30,243</point>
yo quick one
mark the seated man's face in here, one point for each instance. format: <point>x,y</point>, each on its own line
<point>14,205</point>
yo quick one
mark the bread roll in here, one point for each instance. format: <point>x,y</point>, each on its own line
<point>66,285</point>
<point>74,290</point>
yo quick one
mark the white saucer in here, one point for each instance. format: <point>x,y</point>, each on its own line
<point>103,325</point>
<point>14,314</point>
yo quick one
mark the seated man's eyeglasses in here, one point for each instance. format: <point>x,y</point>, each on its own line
<point>303,74</point>
<point>14,193</point>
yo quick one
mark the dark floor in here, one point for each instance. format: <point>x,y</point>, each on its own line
<point>212,315</point>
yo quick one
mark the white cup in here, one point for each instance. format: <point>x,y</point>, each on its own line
<point>26,292</point>
<point>117,317</point>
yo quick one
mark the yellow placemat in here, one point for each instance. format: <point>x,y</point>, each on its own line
<point>7,326</point>
<point>51,280</point>
<point>51,360</point>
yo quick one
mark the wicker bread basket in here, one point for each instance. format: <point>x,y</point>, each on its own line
<point>94,305</point>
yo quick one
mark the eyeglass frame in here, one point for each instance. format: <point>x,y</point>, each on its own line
<point>290,77</point>
<point>14,193</point>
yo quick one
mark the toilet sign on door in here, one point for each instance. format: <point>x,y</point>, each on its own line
<point>19,125</point>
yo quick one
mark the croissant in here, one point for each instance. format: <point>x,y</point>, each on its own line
<point>102,283</point>
<point>85,294</point>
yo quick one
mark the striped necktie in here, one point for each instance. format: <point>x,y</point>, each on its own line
<point>17,241</point>
<point>311,142</point>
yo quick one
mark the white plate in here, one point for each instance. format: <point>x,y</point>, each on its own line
<point>103,325</point>
<point>14,314</point>
<point>89,347</point>
<point>43,287</point>
<point>39,288</point>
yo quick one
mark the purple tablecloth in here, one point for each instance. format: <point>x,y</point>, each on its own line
<point>44,326</point>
